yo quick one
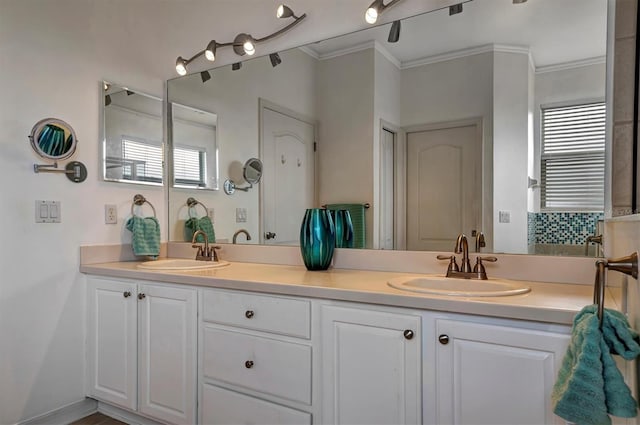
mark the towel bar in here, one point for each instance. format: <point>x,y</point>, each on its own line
<point>365,205</point>
<point>627,265</point>
<point>192,203</point>
<point>139,200</point>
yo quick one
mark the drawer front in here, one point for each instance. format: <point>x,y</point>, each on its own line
<point>282,369</point>
<point>284,316</point>
<point>223,407</point>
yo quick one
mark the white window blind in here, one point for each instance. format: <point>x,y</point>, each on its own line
<point>142,161</point>
<point>573,157</point>
<point>189,166</point>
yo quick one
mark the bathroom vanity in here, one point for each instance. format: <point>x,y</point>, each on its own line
<point>264,343</point>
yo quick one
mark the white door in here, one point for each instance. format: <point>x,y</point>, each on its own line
<point>167,361</point>
<point>371,370</point>
<point>496,375</point>
<point>111,342</point>
<point>444,186</point>
<point>387,173</point>
<point>288,179</point>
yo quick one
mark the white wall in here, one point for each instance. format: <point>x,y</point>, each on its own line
<point>54,55</point>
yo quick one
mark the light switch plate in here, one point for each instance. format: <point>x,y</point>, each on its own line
<point>48,211</point>
<point>504,217</point>
<point>241,215</point>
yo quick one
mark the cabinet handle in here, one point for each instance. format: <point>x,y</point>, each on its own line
<point>141,296</point>
<point>248,364</point>
<point>408,334</point>
<point>127,294</point>
<point>444,339</point>
<point>248,314</point>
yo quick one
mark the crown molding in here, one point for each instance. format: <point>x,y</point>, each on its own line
<point>571,65</point>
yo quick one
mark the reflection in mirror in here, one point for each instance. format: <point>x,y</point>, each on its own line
<point>253,171</point>
<point>132,136</point>
<point>195,148</point>
<point>441,137</point>
<point>52,138</point>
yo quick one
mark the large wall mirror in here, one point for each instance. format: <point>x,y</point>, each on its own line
<point>131,136</point>
<point>487,121</point>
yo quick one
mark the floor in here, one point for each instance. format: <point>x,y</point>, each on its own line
<point>97,419</point>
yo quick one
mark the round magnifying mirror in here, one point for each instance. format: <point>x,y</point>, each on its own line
<point>252,170</point>
<point>54,139</point>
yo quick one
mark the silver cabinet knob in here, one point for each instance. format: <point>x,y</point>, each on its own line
<point>127,294</point>
<point>249,314</point>
<point>443,339</point>
<point>408,334</point>
<point>141,296</point>
<point>248,364</point>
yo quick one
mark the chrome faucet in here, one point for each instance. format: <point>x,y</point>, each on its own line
<point>595,239</point>
<point>464,271</point>
<point>462,247</point>
<point>205,253</point>
<point>235,235</point>
<point>480,242</point>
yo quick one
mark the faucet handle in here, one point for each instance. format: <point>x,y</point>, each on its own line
<point>479,267</point>
<point>489,259</point>
<point>214,252</point>
<point>453,266</point>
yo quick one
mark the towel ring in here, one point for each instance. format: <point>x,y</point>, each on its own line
<point>192,203</point>
<point>139,200</point>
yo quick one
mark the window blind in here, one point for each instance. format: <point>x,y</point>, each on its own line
<point>189,166</point>
<point>142,161</point>
<point>573,157</point>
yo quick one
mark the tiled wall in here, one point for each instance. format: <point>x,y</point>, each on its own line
<point>564,228</point>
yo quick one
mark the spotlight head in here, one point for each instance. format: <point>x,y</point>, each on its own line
<point>205,76</point>
<point>106,85</point>
<point>210,51</point>
<point>455,9</point>
<point>107,100</point>
<point>519,1</point>
<point>244,44</point>
<point>236,66</point>
<point>371,15</point>
<point>181,66</point>
<point>129,92</point>
<point>275,59</point>
<point>394,32</point>
<point>284,11</point>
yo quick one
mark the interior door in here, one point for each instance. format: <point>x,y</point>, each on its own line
<point>289,171</point>
<point>444,185</point>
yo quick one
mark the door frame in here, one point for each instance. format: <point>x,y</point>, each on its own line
<point>486,196</point>
<point>266,104</point>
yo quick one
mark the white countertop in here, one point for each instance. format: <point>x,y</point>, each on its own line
<point>547,302</point>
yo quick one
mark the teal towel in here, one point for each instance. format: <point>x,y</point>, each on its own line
<point>358,219</point>
<point>145,235</point>
<point>193,224</point>
<point>589,386</point>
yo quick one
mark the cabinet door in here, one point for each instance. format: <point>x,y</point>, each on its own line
<point>371,370</point>
<point>111,342</point>
<point>167,360</point>
<point>495,375</point>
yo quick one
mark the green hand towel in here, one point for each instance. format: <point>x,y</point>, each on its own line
<point>589,386</point>
<point>357,218</point>
<point>145,235</point>
<point>193,224</point>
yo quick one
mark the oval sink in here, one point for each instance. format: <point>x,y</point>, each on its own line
<point>439,285</point>
<point>181,264</point>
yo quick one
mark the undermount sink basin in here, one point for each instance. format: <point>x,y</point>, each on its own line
<point>181,264</point>
<point>439,285</point>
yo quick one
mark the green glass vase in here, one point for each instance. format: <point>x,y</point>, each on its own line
<point>317,239</point>
<point>344,228</point>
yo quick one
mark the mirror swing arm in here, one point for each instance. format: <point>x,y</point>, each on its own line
<point>252,173</point>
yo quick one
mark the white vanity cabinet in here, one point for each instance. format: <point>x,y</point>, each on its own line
<point>256,359</point>
<point>371,366</point>
<point>141,347</point>
<point>494,374</point>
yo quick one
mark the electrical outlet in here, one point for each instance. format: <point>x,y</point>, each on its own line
<point>211,215</point>
<point>110,214</point>
<point>241,215</point>
<point>504,217</point>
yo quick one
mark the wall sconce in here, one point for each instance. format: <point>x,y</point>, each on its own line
<point>243,43</point>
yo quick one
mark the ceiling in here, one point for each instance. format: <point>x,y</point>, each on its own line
<point>556,31</point>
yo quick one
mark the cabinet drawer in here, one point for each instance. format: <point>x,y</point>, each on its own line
<point>284,316</point>
<point>282,369</point>
<point>220,406</point>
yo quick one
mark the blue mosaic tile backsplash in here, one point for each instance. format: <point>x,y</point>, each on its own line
<point>565,228</point>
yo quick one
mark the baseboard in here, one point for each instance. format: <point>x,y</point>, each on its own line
<point>65,415</point>
<point>125,415</point>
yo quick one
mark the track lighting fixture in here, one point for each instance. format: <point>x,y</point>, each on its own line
<point>107,100</point>
<point>129,92</point>
<point>205,76</point>
<point>245,44</point>
<point>394,32</point>
<point>455,9</point>
<point>236,66</point>
<point>519,1</point>
<point>275,59</point>
<point>106,86</point>
<point>375,10</point>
